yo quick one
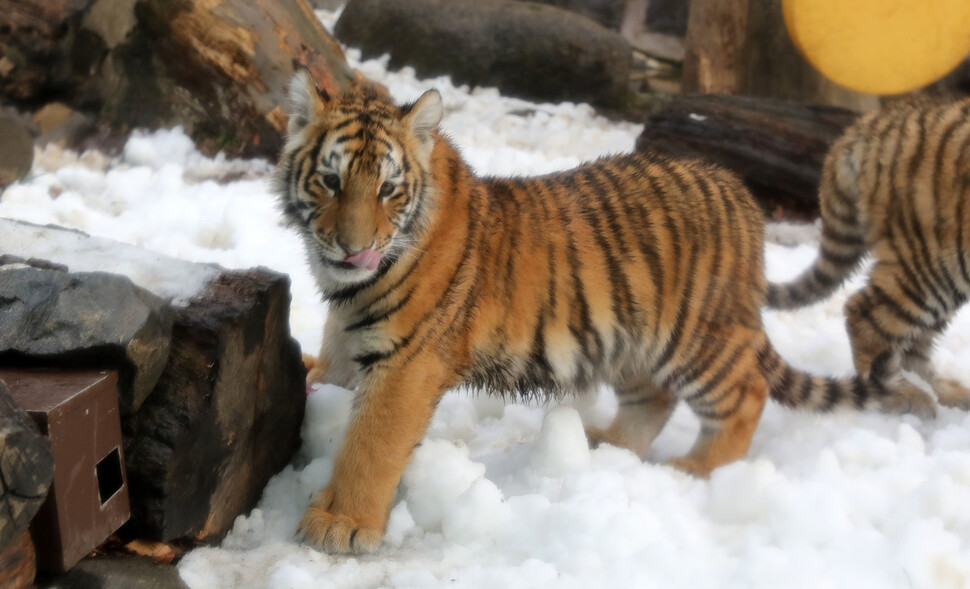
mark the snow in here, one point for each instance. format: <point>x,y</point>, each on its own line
<point>169,278</point>
<point>509,496</point>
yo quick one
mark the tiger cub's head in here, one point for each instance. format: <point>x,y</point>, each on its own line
<point>354,176</point>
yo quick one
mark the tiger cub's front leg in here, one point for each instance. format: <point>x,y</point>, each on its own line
<point>392,412</point>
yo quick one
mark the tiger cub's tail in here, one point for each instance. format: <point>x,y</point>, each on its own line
<point>842,245</point>
<point>799,390</point>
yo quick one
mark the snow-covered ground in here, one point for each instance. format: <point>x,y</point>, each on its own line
<point>509,496</point>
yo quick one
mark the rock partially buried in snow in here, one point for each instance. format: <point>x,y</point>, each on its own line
<point>85,319</point>
<point>168,278</point>
<point>561,447</point>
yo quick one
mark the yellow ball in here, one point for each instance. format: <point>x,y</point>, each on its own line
<point>881,46</point>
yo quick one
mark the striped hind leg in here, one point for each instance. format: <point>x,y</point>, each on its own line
<point>884,326</point>
<point>642,413</point>
<point>917,358</point>
<point>728,397</point>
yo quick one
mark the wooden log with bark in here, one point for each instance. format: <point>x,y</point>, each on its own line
<point>742,47</point>
<point>225,415</point>
<point>777,147</point>
<point>218,68</point>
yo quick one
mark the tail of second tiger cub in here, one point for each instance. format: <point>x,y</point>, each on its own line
<point>796,389</point>
<point>842,245</point>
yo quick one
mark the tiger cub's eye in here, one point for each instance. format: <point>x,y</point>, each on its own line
<point>331,181</point>
<point>386,190</point>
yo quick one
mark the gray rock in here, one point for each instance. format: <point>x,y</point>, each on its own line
<point>85,319</point>
<point>662,16</point>
<point>118,572</point>
<point>608,13</point>
<point>26,469</point>
<point>526,49</point>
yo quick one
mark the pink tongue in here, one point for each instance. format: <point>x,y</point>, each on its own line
<point>365,259</point>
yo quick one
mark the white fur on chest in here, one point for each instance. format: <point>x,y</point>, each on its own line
<point>341,346</point>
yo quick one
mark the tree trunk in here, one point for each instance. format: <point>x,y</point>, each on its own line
<point>777,147</point>
<point>742,47</point>
<point>772,66</point>
<point>715,39</point>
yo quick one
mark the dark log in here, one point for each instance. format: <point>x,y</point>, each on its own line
<point>777,147</point>
<point>26,469</point>
<point>225,415</point>
<point>219,69</point>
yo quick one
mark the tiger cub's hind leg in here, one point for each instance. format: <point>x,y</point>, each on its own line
<point>917,358</point>
<point>642,413</point>
<point>728,398</point>
<point>881,325</point>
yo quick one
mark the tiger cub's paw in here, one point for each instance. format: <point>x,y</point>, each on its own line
<point>691,466</point>
<point>596,436</point>
<point>338,534</point>
<point>908,398</point>
<point>309,362</point>
<point>951,393</point>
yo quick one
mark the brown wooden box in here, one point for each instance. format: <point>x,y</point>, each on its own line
<point>88,498</point>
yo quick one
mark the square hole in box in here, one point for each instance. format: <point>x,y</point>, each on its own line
<point>109,475</point>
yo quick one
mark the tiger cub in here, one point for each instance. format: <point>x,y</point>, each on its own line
<point>897,184</point>
<point>636,270</point>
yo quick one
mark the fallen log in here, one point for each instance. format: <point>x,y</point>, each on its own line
<point>218,69</point>
<point>225,415</point>
<point>777,147</point>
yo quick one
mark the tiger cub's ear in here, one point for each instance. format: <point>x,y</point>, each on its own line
<point>305,98</point>
<point>424,115</point>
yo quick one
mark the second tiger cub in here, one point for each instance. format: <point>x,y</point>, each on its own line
<point>897,184</point>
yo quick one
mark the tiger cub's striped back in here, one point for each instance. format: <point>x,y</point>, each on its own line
<point>638,271</point>
<point>897,185</point>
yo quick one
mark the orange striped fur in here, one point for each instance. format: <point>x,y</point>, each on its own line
<point>635,270</point>
<point>897,185</point>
